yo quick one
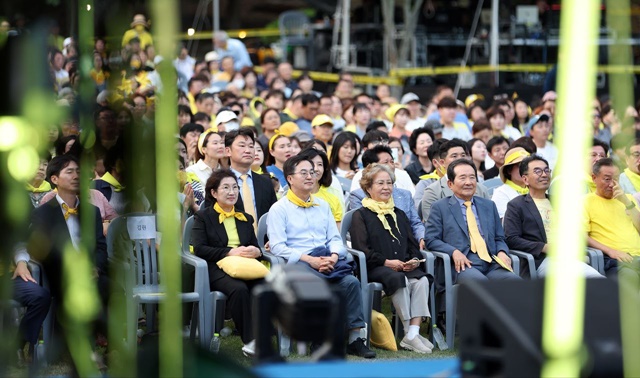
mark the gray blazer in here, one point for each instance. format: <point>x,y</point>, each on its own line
<point>439,190</point>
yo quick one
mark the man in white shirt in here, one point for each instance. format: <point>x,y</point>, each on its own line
<point>451,129</point>
<point>302,230</point>
<point>412,101</point>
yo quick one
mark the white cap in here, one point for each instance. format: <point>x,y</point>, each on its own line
<point>211,56</point>
<point>224,117</point>
<point>408,97</point>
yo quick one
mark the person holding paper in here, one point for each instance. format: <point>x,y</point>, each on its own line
<point>220,231</point>
<point>383,232</point>
<point>468,229</point>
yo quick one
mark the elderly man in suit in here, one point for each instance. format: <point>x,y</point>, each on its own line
<point>468,228</point>
<point>449,152</point>
<point>256,191</point>
<point>527,220</point>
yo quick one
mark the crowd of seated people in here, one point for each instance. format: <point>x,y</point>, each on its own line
<point>250,144</point>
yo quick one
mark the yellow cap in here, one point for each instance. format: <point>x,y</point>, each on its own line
<point>393,109</point>
<point>321,119</point>
<point>513,156</point>
<point>288,128</point>
<point>472,98</point>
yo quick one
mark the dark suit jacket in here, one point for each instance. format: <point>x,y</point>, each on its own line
<point>209,237</point>
<point>263,192</point>
<point>446,229</point>
<point>523,227</point>
<point>49,235</point>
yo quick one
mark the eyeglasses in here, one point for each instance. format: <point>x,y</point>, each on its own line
<point>380,142</point>
<point>635,155</point>
<point>306,173</point>
<point>229,189</point>
<point>540,171</point>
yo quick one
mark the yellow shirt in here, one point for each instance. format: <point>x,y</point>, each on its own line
<point>232,232</point>
<point>192,103</point>
<point>333,201</point>
<point>546,213</point>
<point>144,36</point>
<point>608,223</point>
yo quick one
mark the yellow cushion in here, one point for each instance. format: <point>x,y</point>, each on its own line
<point>243,268</point>
<point>381,332</point>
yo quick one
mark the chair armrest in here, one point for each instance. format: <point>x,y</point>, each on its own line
<point>361,262</point>
<point>530,261</point>
<point>271,258</point>
<point>515,264</point>
<point>430,261</point>
<point>446,259</point>
<point>596,259</point>
<point>201,267</point>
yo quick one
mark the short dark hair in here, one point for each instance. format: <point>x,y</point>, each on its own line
<point>290,165</point>
<point>213,183</point>
<point>308,98</point>
<point>200,116</point>
<point>601,143</point>
<point>496,141</point>
<point>58,163</point>
<point>189,127</point>
<point>370,156</point>
<point>434,151</point>
<point>274,93</point>
<point>232,135</point>
<point>310,144</point>
<point>375,125</point>
<point>61,144</point>
<point>524,164</point>
<point>267,110</point>
<point>374,136</point>
<point>604,162</point>
<point>311,153</point>
<point>413,139</point>
<point>360,106</point>
<point>451,173</point>
<point>447,102</point>
<point>394,139</point>
<point>526,143</point>
<point>479,125</point>
<point>196,78</point>
<point>203,96</point>
<point>493,111</point>
<point>443,151</point>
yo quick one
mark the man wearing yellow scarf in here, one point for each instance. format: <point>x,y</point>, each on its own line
<point>630,178</point>
<point>510,176</point>
<point>301,229</point>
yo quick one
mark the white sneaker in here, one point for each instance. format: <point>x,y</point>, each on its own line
<point>426,342</point>
<point>249,349</point>
<point>414,345</point>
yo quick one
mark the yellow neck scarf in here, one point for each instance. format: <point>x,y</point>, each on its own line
<point>69,211</point>
<point>517,187</point>
<point>43,188</point>
<point>382,209</point>
<point>258,171</point>
<point>634,178</point>
<point>224,215</point>
<point>298,202</point>
<point>109,179</point>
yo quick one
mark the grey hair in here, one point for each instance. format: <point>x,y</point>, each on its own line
<point>366,182</point>
<point>221,35</point>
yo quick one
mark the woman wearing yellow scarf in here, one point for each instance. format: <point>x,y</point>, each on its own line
<point>220,231</point>
<point>38,187</point>
<point>383,233</point>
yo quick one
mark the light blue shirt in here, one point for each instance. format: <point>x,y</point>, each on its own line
<point>304,125</point>
<point>237,50</point>
<point>460,117</point>
<point>295,231</point>
<point>463,208</point>
<point>250,183</point>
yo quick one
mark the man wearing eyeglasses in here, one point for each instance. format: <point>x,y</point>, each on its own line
<point>527,221</point>
<point>302,230</point>
<point>630,178</point>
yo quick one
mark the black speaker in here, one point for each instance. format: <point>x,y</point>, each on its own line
<point>500,327</point>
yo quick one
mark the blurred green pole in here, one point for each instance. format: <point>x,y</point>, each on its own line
<point>621,83</point>
<point>563,314</point>
<point>621,89</point>
<point>165,26</point>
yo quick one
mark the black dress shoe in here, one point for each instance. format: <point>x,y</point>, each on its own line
<point>359,348</point>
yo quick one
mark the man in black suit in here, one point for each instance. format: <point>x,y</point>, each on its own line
<point>239,146</point>
<point>527,221</point>
<point>55,230</point>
